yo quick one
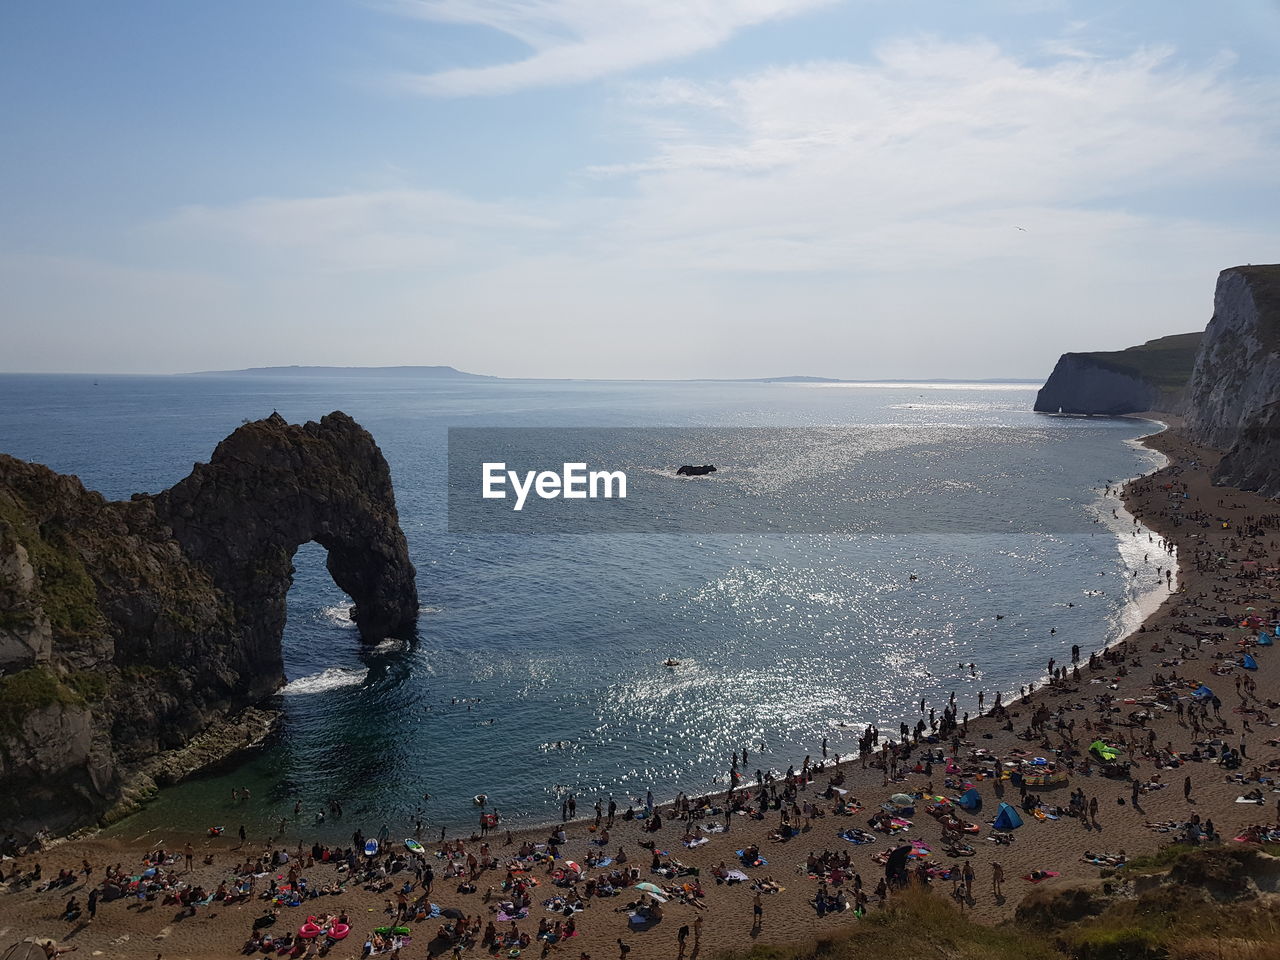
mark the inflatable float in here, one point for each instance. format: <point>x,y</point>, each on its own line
<point>480,799</point>
<point>371,848</point>
<point>414,846</point>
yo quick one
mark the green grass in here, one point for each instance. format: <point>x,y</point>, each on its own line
<point>89,685</point>
<point>1161,860</point>
<point>1178,918</point>
<point>66,591</point>
<point>1264,283</point>
<point>1167,362</point>
<point>23,692</point>
<point>916,925</point>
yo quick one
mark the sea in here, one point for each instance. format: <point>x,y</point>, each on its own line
<point>539,667</point>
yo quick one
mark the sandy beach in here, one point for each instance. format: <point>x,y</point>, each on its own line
<point>1140,700</point>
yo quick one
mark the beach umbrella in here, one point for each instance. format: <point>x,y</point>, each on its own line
<point>902,800</point>
<point>652,890</point>
<point>570,865</point>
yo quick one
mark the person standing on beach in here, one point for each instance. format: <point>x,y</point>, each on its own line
<point>1186,789</point>
<point>997,878</point>
<point>757,913</point>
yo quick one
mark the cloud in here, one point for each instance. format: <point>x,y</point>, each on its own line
<point>573,41</point>
<point>931,149</point>
<point>836,217</point>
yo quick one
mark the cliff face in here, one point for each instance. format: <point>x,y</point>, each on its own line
<point>1152,376</point>
<point>131,631</point>
<point>1234,394</point>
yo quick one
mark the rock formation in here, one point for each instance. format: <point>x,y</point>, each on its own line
<point>1234,394</point>
<point>1226,380</point>
<point>1152,376</point>
<point>135,635</point>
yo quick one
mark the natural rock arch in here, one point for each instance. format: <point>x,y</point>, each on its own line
<point>272,486</point>
<point>134,634</point>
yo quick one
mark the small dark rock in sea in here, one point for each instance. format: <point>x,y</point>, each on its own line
<point>688,471</point>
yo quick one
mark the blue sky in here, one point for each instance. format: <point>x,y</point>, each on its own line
<point>627,188</point>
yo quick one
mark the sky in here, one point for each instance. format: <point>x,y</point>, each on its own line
<point>626,188</point>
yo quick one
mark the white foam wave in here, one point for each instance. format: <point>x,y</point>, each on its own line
<point>333,678</point>
<point>339,615</point>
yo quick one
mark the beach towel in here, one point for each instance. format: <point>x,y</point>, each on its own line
<point>1039,875</point>
<point>857,836</point>
<point>696,842</point>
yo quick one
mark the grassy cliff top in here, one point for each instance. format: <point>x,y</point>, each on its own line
<point>1166,362</point>
<point>1264,283</point>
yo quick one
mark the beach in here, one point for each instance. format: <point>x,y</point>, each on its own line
<point>1181,639</point>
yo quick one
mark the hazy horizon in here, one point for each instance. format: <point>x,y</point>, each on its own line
<point>627,189</point>
<point>994,379</point>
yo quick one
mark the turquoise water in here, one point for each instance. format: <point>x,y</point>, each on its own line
<point>538,666</point>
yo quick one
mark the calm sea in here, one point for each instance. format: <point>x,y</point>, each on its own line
<point>539,663</point>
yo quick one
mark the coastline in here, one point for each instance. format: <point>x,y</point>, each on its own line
<point>1056,845</point>
<point>176,766</point>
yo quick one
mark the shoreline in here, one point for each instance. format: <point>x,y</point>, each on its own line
<point>145,787</point>
<point>1183,619</point>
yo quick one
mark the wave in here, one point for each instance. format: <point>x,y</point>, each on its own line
<point>333,678</point>
<point>339,615</point>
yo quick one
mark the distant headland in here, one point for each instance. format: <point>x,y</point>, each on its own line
<point>441,372</point>
<point>1224,382</point>
<point>431,372</point>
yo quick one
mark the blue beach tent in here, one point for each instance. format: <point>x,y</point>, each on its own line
<point>971,800</point>
<point>1264,640</point>
<point>1007,818</point>
<point>1249,663</point>
<point>1204,693</point>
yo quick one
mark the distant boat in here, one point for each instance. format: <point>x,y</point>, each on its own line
<point>671,662</point>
